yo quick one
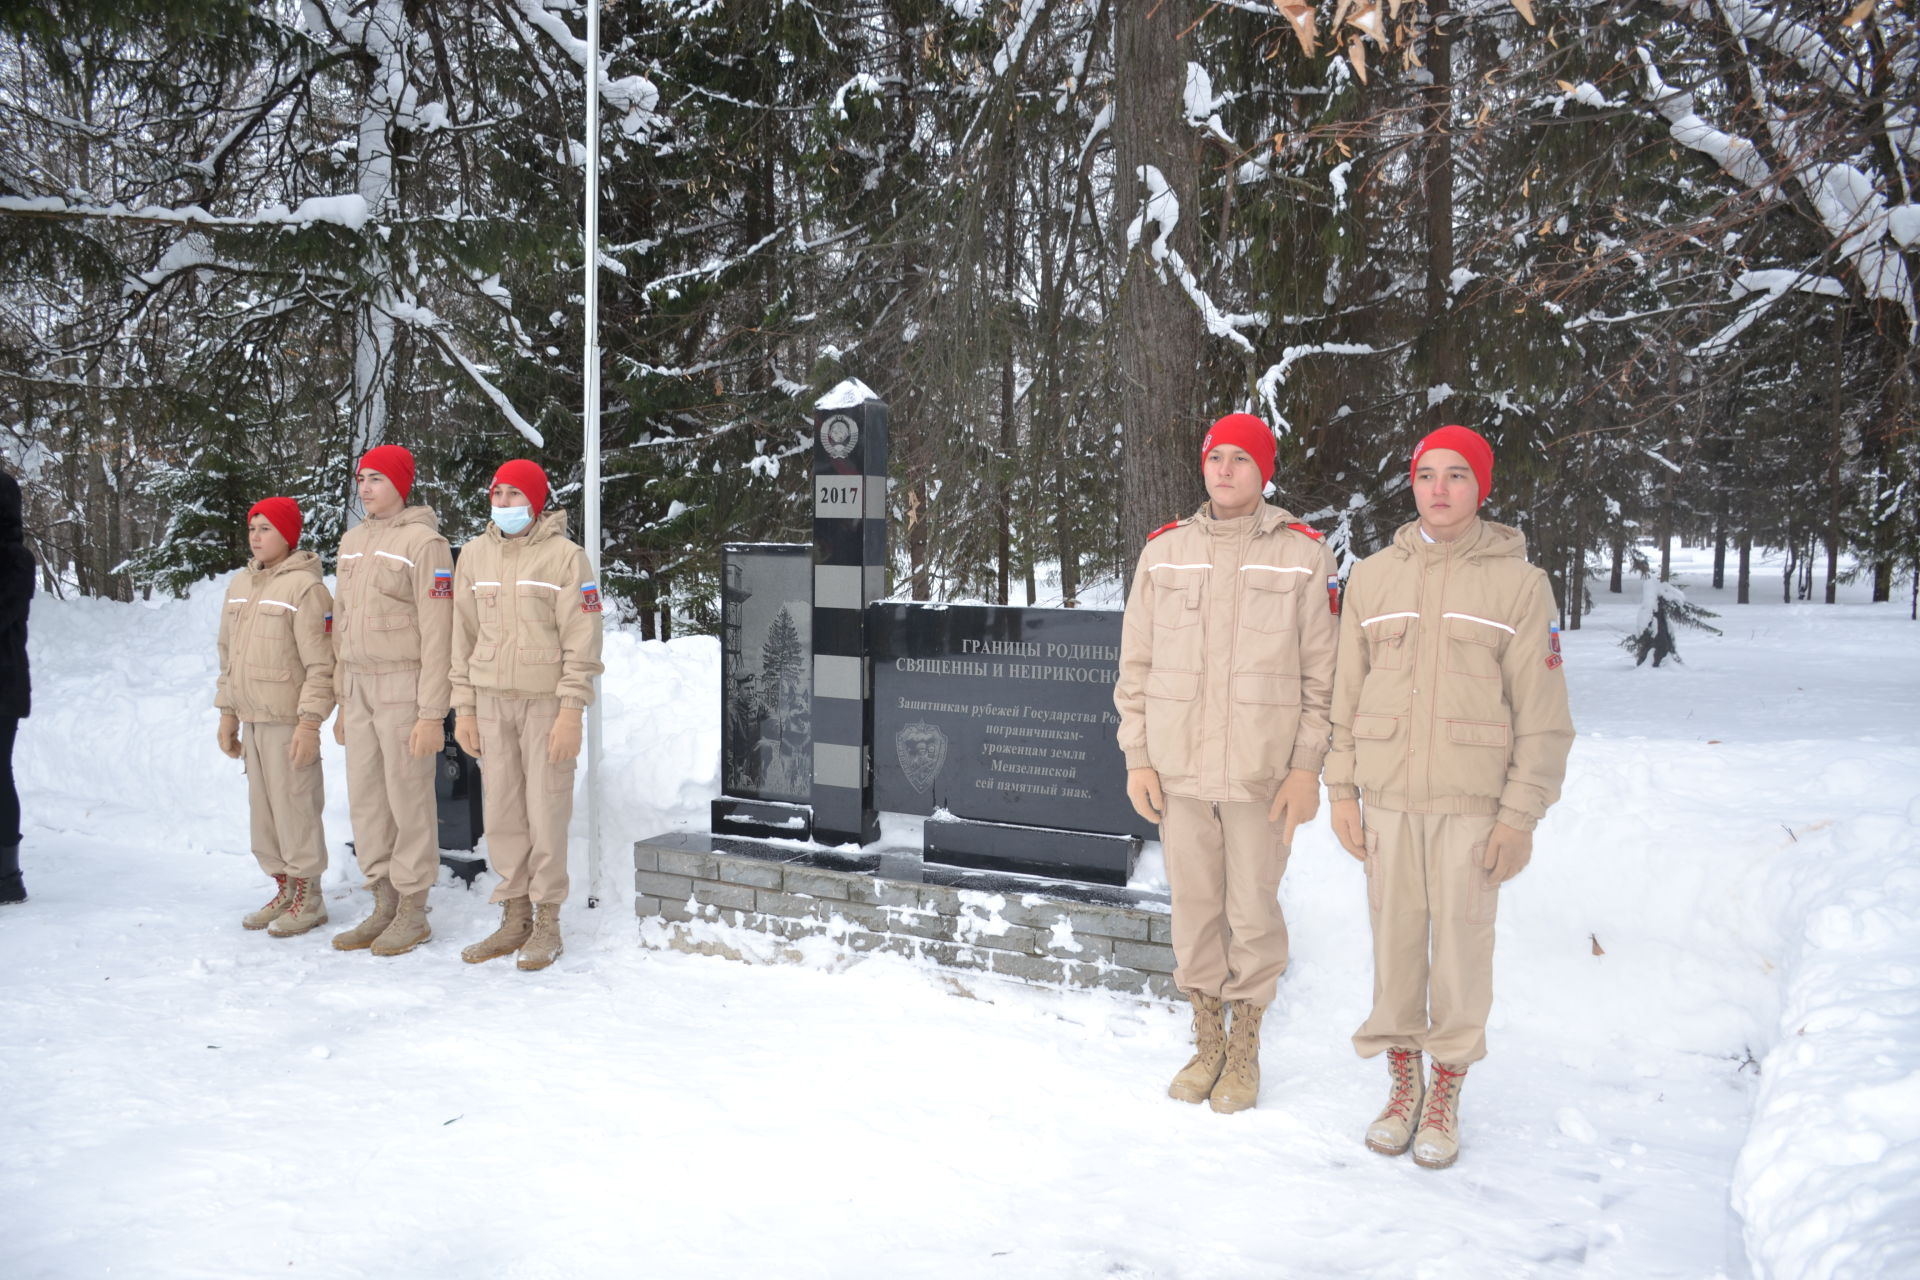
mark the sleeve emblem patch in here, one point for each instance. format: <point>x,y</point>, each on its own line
<point>1554,660</point>
<point>442,585</point>
<point>590,597</point>
<point>329,624</point>
<point>1333,595</point>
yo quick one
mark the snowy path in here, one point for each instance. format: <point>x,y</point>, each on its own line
<point>184,1098</point>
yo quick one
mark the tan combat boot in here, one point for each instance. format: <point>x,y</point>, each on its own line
<point>1436,1144</point>
<point>1196,1079</point>
<point>1392,1130</point>
<point>543,948</point>
<point>282,895</point>
<point>1239,1085</point>
<point>362,935</point>
<point>516,922</point>
<point>409,928</point>
<point>308,910</point>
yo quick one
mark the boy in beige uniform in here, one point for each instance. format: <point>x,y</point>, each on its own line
<point>526,649</point>
<point>1226,675</point>
<point>1450,722</point>
<point>276,678</point>
<point>392,621</point>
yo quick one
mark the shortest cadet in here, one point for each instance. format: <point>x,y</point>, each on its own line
<point>526,649</point>
<point>1226,675</point>
<point>1451,729</point>
<point>276,680</point>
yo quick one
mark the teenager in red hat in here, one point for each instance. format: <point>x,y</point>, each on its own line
<point>1226,673</point>
<point>526,650</point>
<point>392,624</point>
<point>275,691</point>
<point>1450,740</point>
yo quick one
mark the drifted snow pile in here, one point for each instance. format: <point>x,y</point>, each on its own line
<point>1829,1179</point>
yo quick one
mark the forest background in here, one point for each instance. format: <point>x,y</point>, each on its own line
<point>1661,252</point>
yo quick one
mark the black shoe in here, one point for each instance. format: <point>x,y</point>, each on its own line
<point>12,888</point>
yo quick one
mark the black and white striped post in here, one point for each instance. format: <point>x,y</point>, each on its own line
<point>849,572</point>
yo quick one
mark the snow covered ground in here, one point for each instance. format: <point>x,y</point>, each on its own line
<point>1705,1056</point>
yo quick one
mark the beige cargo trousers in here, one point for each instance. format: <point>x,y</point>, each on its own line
<point>527,801</point>
<point>396,818</point>
<point>284,803</point>
<point>1432,909</point>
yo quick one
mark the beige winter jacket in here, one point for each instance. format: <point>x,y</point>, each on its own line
<point>526,617</point>
<point>394,607</point>
<point>1226,656</point>
<point>1450,696</point>
<point>276,663</point>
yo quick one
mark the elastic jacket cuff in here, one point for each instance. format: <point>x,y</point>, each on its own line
<point>1342,791</point>
<point>1517,820</point>
<point>1138,760</point>
<point>1309,758</point>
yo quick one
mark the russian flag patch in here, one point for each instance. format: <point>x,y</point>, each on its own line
<point>329,624</point>
<point>590,597</point>
<point>442,584</point>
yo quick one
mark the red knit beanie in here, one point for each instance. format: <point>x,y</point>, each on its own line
<point>282,513</point>
<point>1243,431</point>
<point>393,462</point>
<point>1469,444</point>
<point>528,478</point>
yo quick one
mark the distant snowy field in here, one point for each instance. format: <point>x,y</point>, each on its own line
<point>1705,1056</point>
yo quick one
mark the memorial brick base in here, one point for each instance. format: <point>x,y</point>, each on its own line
<point>763,901</point>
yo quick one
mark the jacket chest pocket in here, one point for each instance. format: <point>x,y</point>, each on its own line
<point>1177,597</point>
<point>486,606</point>
<point>272,620</point>
<point>1474,645</point>
<point>537,604</point>
<point>1388,639</point>
<point>1270,597</point>
<point>394,575</point>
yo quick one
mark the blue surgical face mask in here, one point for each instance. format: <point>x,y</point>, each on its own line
<point>512,519</point>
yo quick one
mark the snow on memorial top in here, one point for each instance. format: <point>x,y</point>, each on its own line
<point>848,395</point>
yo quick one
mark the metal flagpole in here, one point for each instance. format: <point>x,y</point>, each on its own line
<point>590,423</point>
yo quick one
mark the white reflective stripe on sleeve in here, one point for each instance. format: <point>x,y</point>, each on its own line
<point>1485,622</point>
<point>351,555</point>
<point>1382,617</point>
<point>282,604</point>
<point>478,585</point>
<point>236,599</point>
<point>535,582</point>
<point>391,556</point>
<point>1275,568</point>
<point>1151,568</point>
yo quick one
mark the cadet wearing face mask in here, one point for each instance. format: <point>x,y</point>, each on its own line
<point>526,647</point>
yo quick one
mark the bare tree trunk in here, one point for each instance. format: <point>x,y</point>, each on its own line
<point>1619,560</point>
<point>1834,449</point>
<point>1003,465</point>
<point>1746,568</point>
<point>1720,546</point>
<point>1160,343</point>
